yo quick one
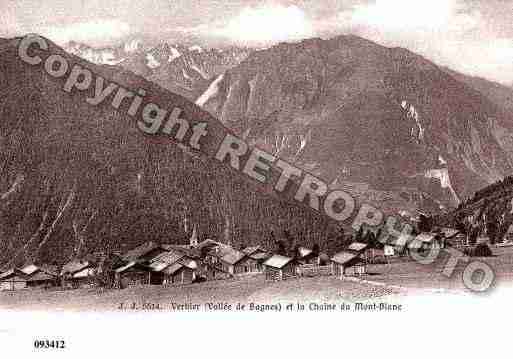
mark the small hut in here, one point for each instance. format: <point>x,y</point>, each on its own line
<point>13,279</point>
<point>132,274</point>
<point>238,263</point>
<point>279,267</point>
<point>348,264</point>
<point>41,276</point>
<point>259,255</point>
<point>73,274</point>
<point>178,273</point>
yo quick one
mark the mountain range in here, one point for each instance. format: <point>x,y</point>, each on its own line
<point>386,123</point>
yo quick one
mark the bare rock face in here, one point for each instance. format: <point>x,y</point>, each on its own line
<point>356,113</point>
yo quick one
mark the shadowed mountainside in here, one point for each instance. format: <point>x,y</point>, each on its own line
<point>383,122</point>
<point>77,179</point>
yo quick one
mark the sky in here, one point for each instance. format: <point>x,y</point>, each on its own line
<point>473,36</point>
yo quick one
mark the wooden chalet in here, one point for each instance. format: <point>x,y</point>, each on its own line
<point>158,264</point>
<point>221,260</point>
<point>178,273</point>
<point>13,279</point>
<point>279,267</point>
<point>453,236</point>
<point>41,276</point>
<point>365,251</point>
<point>152,264</point>
<point>348,264</point>
<point>136,269</point>
<point>236,263</point>
<point>84,278</point>
<point>172,267</point>
<point>448,233</point>
<point>259,255</point>
<point>426,241</point>
<point>210,271</point>
<point>132,274</point>
<point>143,253</point>
<point>78,274</point>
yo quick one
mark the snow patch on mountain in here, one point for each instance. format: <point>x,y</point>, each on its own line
<point>195,48</point>
<point>442,175</point>
<point>303,140</point>
<point>152,62</point>
<point>174,54</point>
<point>198,70</point>
<point>186,75</point>
<point>211,92</point>
<point>132,46</point>
<point>19,179</point>
<point>104,56</point>
<point>413,115</point>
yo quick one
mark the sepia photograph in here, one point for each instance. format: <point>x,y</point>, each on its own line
<point>298,177</point>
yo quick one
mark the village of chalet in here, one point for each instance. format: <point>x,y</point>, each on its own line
<point>208,260</point>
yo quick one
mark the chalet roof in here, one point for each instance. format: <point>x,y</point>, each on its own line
<point>125,267</point>
<point>449,232</point>
<point>163,260</point>
<point>357,246</point>
<point>250,250</point>
<point>343,257</point>
<point>15,272</point>
<point>426,237</point>
<point>187,250</point>
<point>33,269</point>
<point>260,255</point>
<point>30,269</point>
<point>75,266</point>
<point>277,261</point>
<point>233,257</point>
<point>84,273</point>
<point>140,251</point>
<point>40,276</point>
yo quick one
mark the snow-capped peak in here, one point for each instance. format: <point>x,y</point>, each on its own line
<point>132,46</point>
<point>152,62</point>
<point>196,48</point>
<point>98,56</point>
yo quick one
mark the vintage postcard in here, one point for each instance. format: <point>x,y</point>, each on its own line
<point>246,177</point>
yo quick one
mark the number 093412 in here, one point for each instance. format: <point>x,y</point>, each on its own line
<point>49,344</point>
